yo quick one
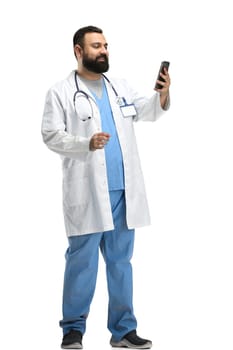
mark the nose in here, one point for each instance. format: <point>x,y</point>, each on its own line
<point>104,50</point>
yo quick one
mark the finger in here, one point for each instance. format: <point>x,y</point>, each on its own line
<point>103,134</point>
<point>161,83</point>
<point>99,140</point>
<point>166,82</point>
<point>101,143</point>
<point>164,87</point>
<point>106,134</point>
<point>165,76</point>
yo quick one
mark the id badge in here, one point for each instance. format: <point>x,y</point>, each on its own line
<point>128,110</point>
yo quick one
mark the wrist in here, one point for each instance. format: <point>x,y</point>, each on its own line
<point>164,98</point>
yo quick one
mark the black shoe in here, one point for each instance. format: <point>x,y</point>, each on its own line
<point>131,341</point>
<point>72,340</point>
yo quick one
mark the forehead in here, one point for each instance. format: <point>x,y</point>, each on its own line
<point>91,38</point>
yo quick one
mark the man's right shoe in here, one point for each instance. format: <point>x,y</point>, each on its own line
<point>131,341</point>
<point>72,340</point>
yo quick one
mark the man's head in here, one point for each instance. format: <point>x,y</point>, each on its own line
<point>90,49</point>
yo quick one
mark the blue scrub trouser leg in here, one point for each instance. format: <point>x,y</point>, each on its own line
<point>81,272</point>
<point>117,250</point>
<point>79,280</point>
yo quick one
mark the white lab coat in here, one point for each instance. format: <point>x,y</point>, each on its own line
<point>86,200</point>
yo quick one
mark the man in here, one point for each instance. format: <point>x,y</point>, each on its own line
<point>88,120</point>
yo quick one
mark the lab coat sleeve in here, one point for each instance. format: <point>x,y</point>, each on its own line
<point>54,130</point>
<point>149,109</point>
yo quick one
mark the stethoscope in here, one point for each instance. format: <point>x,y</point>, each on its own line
<point>88,112</point>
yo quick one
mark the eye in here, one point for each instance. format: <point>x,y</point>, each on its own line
<point>99,45</point>
<point>96,46</point>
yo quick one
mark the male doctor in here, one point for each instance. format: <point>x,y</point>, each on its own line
<point>88,120</point>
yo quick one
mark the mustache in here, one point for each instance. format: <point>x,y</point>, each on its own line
<point>102,56</point>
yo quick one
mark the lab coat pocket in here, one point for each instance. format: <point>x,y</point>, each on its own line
<point>76,185</point>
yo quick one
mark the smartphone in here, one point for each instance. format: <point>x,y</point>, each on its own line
<point>164,64</point>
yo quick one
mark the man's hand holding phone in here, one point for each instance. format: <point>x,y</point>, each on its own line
<point>163,83</point>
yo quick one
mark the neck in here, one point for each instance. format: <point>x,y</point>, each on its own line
<point>86,74</point>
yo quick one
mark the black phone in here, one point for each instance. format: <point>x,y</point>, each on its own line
<point>164,64</point>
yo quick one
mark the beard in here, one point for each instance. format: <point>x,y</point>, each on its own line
<point>96,65</point>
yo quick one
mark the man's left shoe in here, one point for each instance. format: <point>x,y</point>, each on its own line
<point>131,341</point>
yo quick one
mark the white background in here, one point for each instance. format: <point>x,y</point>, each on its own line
<point>183,262</point>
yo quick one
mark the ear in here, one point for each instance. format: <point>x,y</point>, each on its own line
<point>78,51</point>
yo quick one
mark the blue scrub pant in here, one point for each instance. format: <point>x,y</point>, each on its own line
<point>81,269</point>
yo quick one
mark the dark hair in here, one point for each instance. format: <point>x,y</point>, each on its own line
<point>78,38</point>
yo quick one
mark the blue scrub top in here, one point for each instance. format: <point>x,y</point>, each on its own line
<point>113,155</point>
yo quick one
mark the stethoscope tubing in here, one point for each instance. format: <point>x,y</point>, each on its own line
<point>84,92</point>
<point>89,97</point>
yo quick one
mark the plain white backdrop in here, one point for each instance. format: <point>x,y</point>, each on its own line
<point>183,261</point>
